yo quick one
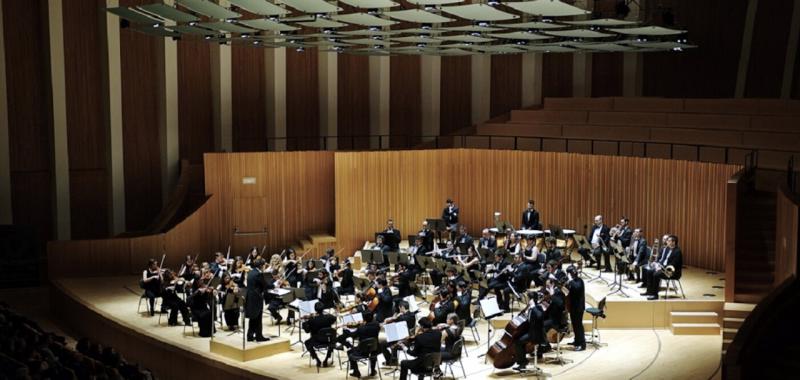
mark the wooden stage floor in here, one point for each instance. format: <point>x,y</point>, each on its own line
<point>651,352</point>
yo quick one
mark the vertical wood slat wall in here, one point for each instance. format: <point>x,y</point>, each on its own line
<point>787,235</point>
<point>680,197</point>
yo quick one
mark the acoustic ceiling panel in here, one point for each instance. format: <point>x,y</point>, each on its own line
<point>519,36</point>
<point>577,33</point>
<point>167,12</point>
<point>370,4</point>
<point>208,8</point>
<point>417,15</point>
<point>260,7</point>
<point>229,27</point>
<point>312,6</point>
<point>546,8</point>
<point>472,28</point>
<point>322,23</point>
<point>133,15</point>
<point>363,19</point>
<point>532,25</point>
<point>605,22</point>
<point>433,2</point>
<point>479,12</point>
<point>267,24</point>
<point>648,31</point>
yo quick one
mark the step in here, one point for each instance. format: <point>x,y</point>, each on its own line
<point>737,309</point>
<point>729,333</point>
<point>321,238</point>
<point>694,317</point>
<point>749,297</point>
<point>725,344</point>
<point>733,323</point>
<point>695,328</point>
<point>306,244</point>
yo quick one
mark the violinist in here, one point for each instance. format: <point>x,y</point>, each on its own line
<point>464,298</point>
<point>451,333</point>
<point>290,267</point>
<point>403,280</point>
<point>577,305</point>
<point>201,312</point>
<point>426,235</point>
<point>333,265</point>
<point>254,301</point>
<point>370,329</point>
<point>345,276</point>
<point>239,273</point>
<point>310,279</point>
<point>229,298</point>
<point>325,293</point>
<point>251,256</point>
<point>218,265</point>
<point>554,272</point>
<point>171,300</point>
<point>442,307</point>
<point>554,315</point>
<point>186,268</point>
<point>535,333</point>
<point>427,341</point>
<point>385,300</point>
<point>275,303</point>
<point>314,325</point>
<point>151,283</point>
<point>402,314</point>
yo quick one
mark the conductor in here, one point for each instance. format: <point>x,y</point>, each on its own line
<point>254,301</point>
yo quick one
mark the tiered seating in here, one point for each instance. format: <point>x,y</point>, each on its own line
<point>694,129</point>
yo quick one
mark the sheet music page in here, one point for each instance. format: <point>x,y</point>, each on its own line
<point>490,307</point>
<point>396,331</point>
<point>412,304</point>
<point>307,307</point>
<point>352,318</point>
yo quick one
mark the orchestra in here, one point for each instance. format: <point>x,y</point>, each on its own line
<point>526,266</point>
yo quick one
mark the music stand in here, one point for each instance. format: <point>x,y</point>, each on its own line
<point>393,256</point>
<point>425,262</point>
<point>619,256</point>
<point>389,239</point>
<point>582,244</point>
<point>375,256</point>
<point>490,309</point>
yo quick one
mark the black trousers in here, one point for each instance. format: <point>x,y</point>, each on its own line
<point>654,281</point>
<point>576,316</point>
<point>606,256</point>
<point>151,300</point>
<point>254,328</point>
<point>354,364</point>
<point>313,341</point>
<point>231,317</point>
<point>413,365</point>
<point>175,305</point>
<point>520,354</point>
<point>205,321</point>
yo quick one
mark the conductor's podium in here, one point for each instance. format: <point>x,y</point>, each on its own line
<point>231,347</point>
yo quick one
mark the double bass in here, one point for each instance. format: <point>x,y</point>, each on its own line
<point>502,352</point>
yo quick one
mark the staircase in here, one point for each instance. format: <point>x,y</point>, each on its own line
<point>755,246</point>
<point>733,316</point>
<point>694,322</point>
<point>316,244</point>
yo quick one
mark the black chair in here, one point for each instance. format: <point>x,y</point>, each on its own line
<point>596,312</point>
<point>561,332</point>
<point>366,351</point>
<point>456,358</point>
<point>326,344</point>
<point>430,365</point>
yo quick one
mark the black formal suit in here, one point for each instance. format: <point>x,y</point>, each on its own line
<point>604,249</point>
<point>254,302</point>
<point>450,217</point>
<point>534,334</point>
<point>638,257</point>
<point>530,220</point>
<point>490,243</point>
<point>313,326</point>
<point>463,309</point>
<point>385,303</point>
<point>363,332</point>
<point>427,238</point>
<point>464,240</point>
<point>425,343</point>
<point>390,354</point>
<point>577,303</point>
<point>668,257</point>
<point>397,237</point>
<point>625,237</point>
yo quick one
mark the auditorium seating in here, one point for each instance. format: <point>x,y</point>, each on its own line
<point>713,130</point>
<point>28,352</point>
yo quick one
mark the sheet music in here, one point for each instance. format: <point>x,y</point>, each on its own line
<point>353,318</point>
<point>412,303</point>
<point>396,331</point>
<point>307,307</point>
<point>279,291</point>
<point>490,307</point>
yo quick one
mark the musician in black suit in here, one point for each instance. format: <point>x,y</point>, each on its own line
<point>638,255</point>
<point>499,278</point>
<point>600,239</point>
<point>427,236</point>
<point>671,256</point>
<point>530,218</point>
<point>625,232</point>
<point>380,245</point>
<point>429,341</point>
<point>402,315</point>
<point>535,333</point>
<point>385,300</point>
<point>518,282</point>
<point>464,298</point>
<point>370,329</point>
<point>487,240</point>
<point>577,304</point>
<point>464,240</point>
<point>313,326</point>
<point>254,301</point>
<point>393,244</point>
<point>450,217</point>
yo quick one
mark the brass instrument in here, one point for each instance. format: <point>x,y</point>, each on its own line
<point>654,250</point>
<point>669,271</point>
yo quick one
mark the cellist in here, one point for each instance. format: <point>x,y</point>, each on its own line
<point>535,333</point>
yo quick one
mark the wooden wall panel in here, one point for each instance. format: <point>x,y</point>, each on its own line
<point>681,197</point>
<point>405,105</point>
<point>195,121</point>
<point>139,55</point>
<point>353,101</point>
<point>302,99</point>
<point>86,134</point>
<point>607,74</point>
<point>248,98</point>
<point>506,89</point>
<point>556,75</point>
<point>787,235</point>
<point>293,195</point>
<point>455,103</point>
<point>768,49</point>
<point>29,126</point>
<point>709,71</point>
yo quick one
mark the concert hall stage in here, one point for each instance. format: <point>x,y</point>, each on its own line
<point>637,332</point>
